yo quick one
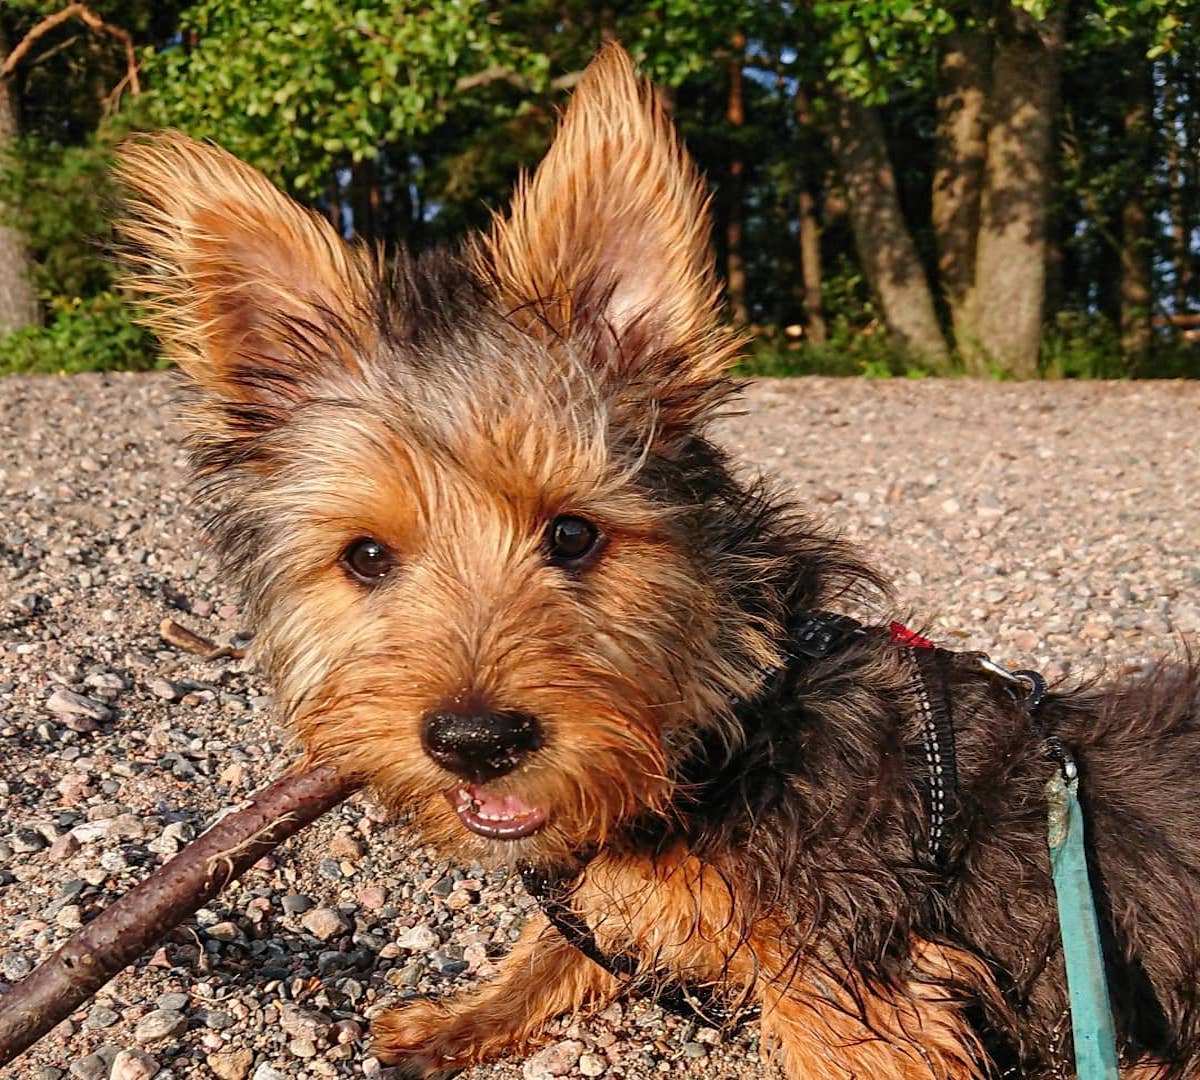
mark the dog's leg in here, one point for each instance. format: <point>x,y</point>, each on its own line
<point>821,1028</point>
<point>542,977</point>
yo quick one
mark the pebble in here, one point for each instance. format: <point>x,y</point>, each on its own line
<point>15,966</point>
<point>163,688</point>
<point>231,1064</point>
<point>304,1023</point>
<point>92,1067</point>
<point>294,904</point>
<point>24,841</point>
<point>160,1024</point>
<point>592,1064</point>
<point>417,938</point>
<point>100,1017</point>
<point>67,703</point>
<point>324,923</point>
<point>133,1064</point>
<point>557,1059</point>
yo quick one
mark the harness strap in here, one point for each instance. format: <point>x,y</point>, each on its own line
<point>939,778</point>
<point>552,891</point>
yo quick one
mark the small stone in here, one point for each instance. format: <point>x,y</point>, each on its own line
<point>26,840</point>
<point>100,1017</point>
<point>555,1060</point>
<point>371,897</point>
<point>694,1050</point>
<point>267,1072</point>
<point>218,1019</point>
<point>66,703</point>
<point>417,939</point>
<point>295,904</point>
<point>224,931</point>
<point>163,688</point>
<point>133,1064</point>
<point>324,923</point>
<point>92,1067</point>
<point>346,1031</point>
<point>63,848</point>
<point>47,1072</point>
<point>592,1064</point>
<point>160,1024</point>
<point>231,1064</point>
<point>234,775</point>
<point>69,917</point>
<point>304,1023</point>
<point>302,1048</point>
<point>173,1002</point>
<point>15,966</point>
<point>345,847</point>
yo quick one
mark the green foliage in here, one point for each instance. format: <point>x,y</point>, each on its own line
<point>325,85</point>
<point>96,334</point>
<point>60,197</point>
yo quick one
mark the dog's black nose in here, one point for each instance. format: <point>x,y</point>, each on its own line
<point>480,746</point>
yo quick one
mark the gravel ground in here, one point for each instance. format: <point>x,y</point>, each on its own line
<point>1052,525</point>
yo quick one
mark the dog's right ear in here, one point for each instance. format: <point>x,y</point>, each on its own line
<point>253,296</point>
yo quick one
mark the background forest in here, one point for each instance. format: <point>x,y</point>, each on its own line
<point>994,187</point>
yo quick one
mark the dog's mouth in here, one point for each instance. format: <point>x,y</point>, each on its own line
<point>498,817</point>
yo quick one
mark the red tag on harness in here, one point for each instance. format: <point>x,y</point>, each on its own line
<point>902,635</point>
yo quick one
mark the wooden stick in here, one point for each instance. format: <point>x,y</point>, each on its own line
<point>143,916</point>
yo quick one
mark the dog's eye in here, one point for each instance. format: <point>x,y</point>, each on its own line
<point>368,560</point>
<point>571,539</point>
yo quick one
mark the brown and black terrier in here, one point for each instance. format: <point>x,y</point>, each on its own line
<point>499,571</point>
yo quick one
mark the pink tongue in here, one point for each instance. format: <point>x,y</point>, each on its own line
<point>501,806</point>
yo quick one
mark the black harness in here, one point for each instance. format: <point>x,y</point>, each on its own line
<point>811,637</point>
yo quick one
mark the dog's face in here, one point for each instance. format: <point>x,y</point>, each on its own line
<point>495,569</point>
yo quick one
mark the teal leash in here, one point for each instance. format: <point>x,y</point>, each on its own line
<point>1087,988</point>
<point>1092,1028</point>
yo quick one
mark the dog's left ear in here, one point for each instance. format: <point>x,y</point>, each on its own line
<point>607,247</point>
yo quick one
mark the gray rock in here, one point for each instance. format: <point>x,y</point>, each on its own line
<point>294,904</point>
<point>15,966</point>
<point>160,1024</point>
<point>92,1067</point>
<point>66,704</point>
<point>100,1017</point>
<point>173,1002</point>
<point>26,840</point>
<point>163,688</point>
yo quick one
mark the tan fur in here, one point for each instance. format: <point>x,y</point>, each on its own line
<point>228,266</point>
<point>615,216</point>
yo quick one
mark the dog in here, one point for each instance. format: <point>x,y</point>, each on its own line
<point>500,572</point>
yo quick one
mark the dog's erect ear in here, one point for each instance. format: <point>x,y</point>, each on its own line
<point>608,242</point>
<point>253,296</point>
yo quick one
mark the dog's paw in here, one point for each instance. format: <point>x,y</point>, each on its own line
<point>418,1040</point>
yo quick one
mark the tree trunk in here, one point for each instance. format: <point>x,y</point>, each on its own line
<point>18,302</point>
<point>884,244</point>
<point>963,74</point>
<point>816,329</point>
<point>1136,252</point>
<point>1010,256</point>
<point>735,266</point>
